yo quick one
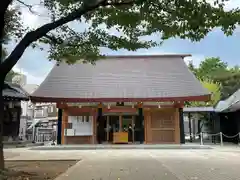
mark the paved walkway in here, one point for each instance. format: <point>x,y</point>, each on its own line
<point>138,164</point>
<point>155,165</point>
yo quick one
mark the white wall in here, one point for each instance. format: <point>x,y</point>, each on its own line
<point>194,123</point>
<point>195,117</point>
<point>81,126</point>
<point>23,119</point>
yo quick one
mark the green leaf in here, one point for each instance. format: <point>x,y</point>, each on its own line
<point>170,18</point>
<point>124,24</point>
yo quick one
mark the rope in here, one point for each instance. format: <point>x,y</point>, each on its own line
<point>216,134</point>
<point>236,135</point>
<point>187,134</point>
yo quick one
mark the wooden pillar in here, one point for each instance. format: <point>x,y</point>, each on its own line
<point>133,135</point>
<point>177,127</point>
<point>99,124</point>
<point>120,123</point>
<point>94,126</point>
<point>107,124</point>
<point>64,125</point>
<point>146,129</point>
<point>181,126</point>
<point>59,129</point>
<point>142,124</point>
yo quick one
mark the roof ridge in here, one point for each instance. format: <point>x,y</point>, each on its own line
<point>80,61</point>
<point>146,56</point>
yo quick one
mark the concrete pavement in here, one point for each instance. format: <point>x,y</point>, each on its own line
<point>155,165</point>
<point>139,164</point>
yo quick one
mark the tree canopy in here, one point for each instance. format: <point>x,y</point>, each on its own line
<point>218,72</point>
<point>211,67</point>
<point>230,82</point>
<point>131,21</point>
<point>214,88</point>
<point>13,28</point>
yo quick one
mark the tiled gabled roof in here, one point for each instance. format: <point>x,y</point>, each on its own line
<point>14,91</point>
<point>162,77</point>
<point>231,104</point>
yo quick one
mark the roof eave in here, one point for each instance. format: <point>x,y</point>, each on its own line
<point>10,98</point>
<point>206,97</point>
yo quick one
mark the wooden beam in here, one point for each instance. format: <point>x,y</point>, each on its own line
<point>75,111</point>
<point>140,105</point>
<point>62,105</point>
<point>119,109</point>
<point>179,104</point>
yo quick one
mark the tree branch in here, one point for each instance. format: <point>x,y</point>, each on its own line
<point>40,32</point>
<point>58,41</point>
<point>30,7</point>
<point>54,39</point>
<point>27,5</point>
<point>32,36</point>
<point>127,2</point>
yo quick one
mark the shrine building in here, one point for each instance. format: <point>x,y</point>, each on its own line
<point>122,99</point>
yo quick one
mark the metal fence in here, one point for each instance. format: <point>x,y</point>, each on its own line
<point>215,138</point>
<point>40,137</point>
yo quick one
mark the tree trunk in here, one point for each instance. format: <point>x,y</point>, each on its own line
<point>3,75</point>
<point>1,125</point>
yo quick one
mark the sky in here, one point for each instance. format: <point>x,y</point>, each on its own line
<point>35,64</point>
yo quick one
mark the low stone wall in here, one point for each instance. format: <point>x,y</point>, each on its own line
<point>19,144</point>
